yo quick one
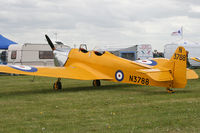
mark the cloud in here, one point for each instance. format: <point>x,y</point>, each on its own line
<point>99,22</point>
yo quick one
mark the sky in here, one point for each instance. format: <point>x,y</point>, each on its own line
<point>100,23</point>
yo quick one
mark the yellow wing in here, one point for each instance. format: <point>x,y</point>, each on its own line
<point>75,72</point>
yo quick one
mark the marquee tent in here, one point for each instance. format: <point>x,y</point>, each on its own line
<point>4,42</point>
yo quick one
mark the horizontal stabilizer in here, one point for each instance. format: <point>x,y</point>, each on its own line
<point>191,74</point>
<point>157,74</point>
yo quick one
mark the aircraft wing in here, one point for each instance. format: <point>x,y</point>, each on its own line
<point>72,72</point>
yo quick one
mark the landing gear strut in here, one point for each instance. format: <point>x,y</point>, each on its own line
<point>170,90</point>
<point>57,85</point>
<point>96,83</point>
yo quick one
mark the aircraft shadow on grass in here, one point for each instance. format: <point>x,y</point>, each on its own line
<point>115,87</point>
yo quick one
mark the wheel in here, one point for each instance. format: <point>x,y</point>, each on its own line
<point>57,85</point>
<point>96,83</point>
<point>170,90</point>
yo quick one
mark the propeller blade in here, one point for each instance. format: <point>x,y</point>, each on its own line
<point>50,43</point>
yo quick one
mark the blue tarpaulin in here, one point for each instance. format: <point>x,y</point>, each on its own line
<point>4,42</point>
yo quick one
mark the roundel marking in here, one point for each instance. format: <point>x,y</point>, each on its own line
<point>147,62</point>
<point>24,68</point>
<point>119,75</point>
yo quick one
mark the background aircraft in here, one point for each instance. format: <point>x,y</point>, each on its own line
<point>93,65</point>
<point>195,59</point>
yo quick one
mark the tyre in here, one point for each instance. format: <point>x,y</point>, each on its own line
<point>96,83</point>
<point>57,86</point>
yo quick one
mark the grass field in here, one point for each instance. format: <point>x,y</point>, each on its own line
<point>27,107</point>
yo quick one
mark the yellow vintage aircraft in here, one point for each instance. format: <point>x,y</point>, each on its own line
<point>93,65</point>
<point>195,59</point>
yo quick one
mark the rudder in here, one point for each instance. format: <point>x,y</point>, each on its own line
<point>179,69</point>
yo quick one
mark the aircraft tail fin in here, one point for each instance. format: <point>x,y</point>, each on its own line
<point>179,68</point>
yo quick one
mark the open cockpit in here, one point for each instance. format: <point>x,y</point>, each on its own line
<point>83,48</point>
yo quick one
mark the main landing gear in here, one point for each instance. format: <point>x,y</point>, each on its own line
<point>57,85</point>
<point>170,90</point>
<point>96,83</point>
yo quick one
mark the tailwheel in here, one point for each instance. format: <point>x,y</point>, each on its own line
<point>170,90</point>
<point>96,83</point>
<point>57,85</point>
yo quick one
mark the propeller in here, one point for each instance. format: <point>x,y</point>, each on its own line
<point>50,43</point>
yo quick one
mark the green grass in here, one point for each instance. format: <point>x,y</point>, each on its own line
<point>27,107</point>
